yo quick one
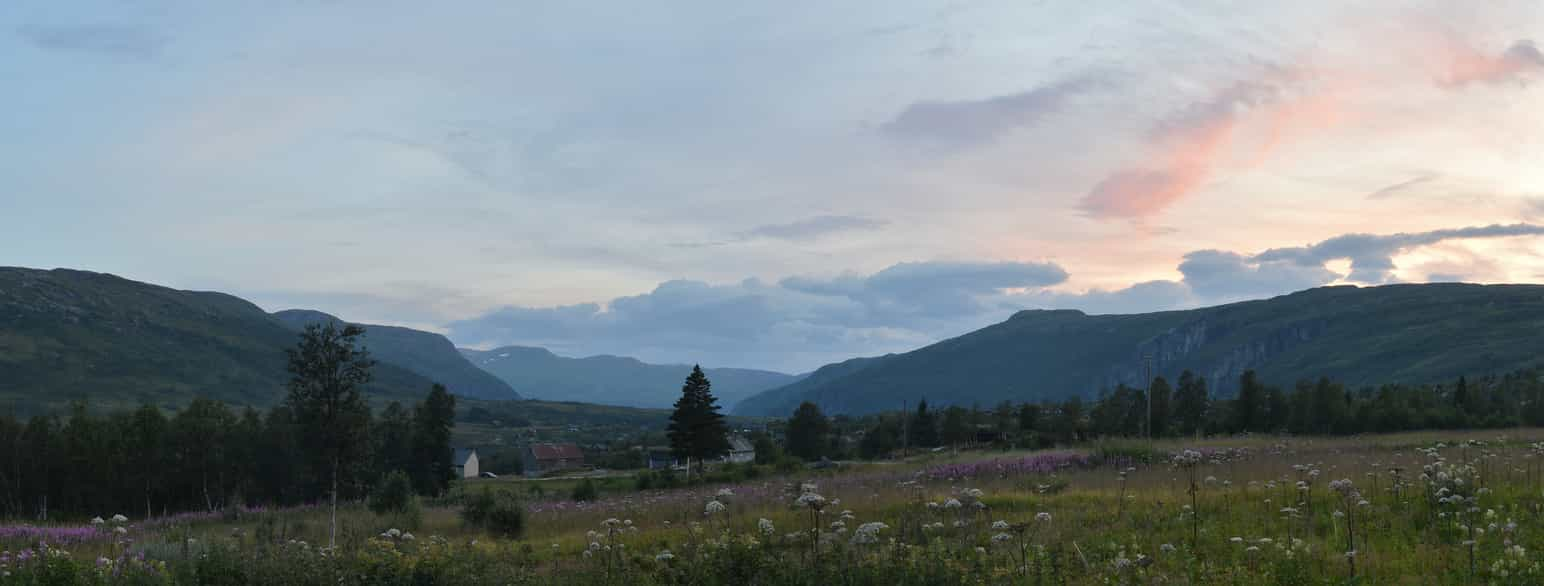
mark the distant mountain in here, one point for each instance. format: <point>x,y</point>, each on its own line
<point>614,380</point>
<point>67,335</point>
<point>1360,336</point>
<point>426,354</point>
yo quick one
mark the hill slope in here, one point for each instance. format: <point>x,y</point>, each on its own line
<point>426,354</point>
<point>1394,333</point>
<point>614,380</point>
<point>68,335</point>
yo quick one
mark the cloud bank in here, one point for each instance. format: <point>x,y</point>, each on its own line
<point>801,322</point>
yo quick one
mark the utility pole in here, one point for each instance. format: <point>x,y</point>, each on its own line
<point>1147,378</point>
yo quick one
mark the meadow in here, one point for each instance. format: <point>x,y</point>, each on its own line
<point>1416,508</point>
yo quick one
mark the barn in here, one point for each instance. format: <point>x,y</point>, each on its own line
<point>543,458</point>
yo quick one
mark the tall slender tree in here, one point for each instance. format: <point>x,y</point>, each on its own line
<point>1161,396</point>
<point>923,427</point>
<point>328,372</point>
<point>807,431</point>
<point>697,430</point>
<point>1191,403</point>
<point>433,420</point>
<point>1249,407</point>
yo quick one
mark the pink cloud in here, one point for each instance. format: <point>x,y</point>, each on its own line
<point>1466,64</point>
<point>1189,147</point>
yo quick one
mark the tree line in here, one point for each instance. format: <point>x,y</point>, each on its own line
<point>322,440</point>
<point>1184,408</point>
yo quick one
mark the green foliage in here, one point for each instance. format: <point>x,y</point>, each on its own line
<point>923,427</point>
<point>497,512</point>
<point>394,495</point>
<point>585,491</point>
<point>697,430</point>
<point>807,432</point>
<point>433,420</point>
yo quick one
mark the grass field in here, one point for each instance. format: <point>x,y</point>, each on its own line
<point>1426,508</point>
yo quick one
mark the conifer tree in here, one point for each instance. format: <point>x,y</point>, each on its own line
<point>697,430</point>
<point>807,431</point>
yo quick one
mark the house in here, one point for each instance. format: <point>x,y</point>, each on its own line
<point>543,458</point>
<point>662,459</point>
<point>464,462</point>
<point>741,450</point>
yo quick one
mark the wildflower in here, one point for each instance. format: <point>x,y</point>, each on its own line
<point>974,493</point>
<point>812,500</point>
<point>1236,539</point>
<point>97,521</point>
<point>120,530</point>
<point>609,523</point>
<point>1001,537</point>
<point>664,556</point>
<point>999,525</point>
<point>765,525</point>
<point>868,532</point>
<point>120,519</point>
<point>714,507</point>
<point>393,533</point>
<point>725,492</point>
<point>407,537</point>
<point>953,504</point>
<point>980,550</point>
<point>1043,517</point>
<point>1166,548</point>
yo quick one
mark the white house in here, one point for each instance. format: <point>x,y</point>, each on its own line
<point>464,462</point>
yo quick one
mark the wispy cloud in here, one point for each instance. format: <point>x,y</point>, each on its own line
<point>1395,189</point>
<point>814,228</point>
<point>1187,145</point>
<point>119,41</point>
<point>966,123</point>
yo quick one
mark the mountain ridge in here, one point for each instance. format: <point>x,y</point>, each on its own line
<point>613,380</point>
<point>1358,335</point>
<point>68,335</point>
<point>427,354</point>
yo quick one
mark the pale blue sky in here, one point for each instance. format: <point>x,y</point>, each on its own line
<point>772,184</point>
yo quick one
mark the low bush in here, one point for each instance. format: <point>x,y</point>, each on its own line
<point>497,512</point>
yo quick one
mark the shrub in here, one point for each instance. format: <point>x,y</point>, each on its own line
<point>585,491</point>
<point>500,513</point>
<point>394,497</point>
<point>644,480</point>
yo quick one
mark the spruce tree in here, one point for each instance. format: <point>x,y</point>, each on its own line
<point>1249,407</point>
<point>697,430</point>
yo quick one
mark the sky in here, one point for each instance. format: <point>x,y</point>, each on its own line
<point>768,184</point>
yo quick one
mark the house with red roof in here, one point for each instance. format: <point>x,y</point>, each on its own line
<point>541,459</point>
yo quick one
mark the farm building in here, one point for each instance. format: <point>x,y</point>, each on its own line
<point>543,458</point>
<point>741,450</point>
<point>464,462</point>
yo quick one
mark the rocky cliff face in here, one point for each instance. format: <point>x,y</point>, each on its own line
<point>1216,350</point>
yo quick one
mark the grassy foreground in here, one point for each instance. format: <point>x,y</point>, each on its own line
<point>1430,508</point>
